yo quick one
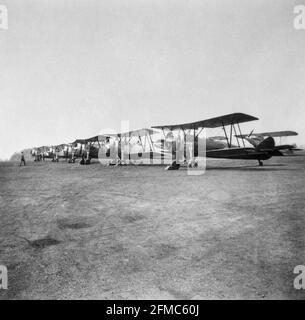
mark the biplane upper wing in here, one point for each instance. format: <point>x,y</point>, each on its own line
<point>139,132</point>
<point>132,133</point>
<point>277,134</point>
<point>58,145</point>
<point>84,141</point>
<point>273,134</point>
<point>102,137</point>
<point>225,120</point>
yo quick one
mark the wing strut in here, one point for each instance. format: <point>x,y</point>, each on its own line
<point>242,138</point>
<point>231,135</point>
<point>224,129</point>
<point>235,136</point>
<point>184,144</point>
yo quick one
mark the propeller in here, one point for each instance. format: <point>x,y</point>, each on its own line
<point>250,134</point>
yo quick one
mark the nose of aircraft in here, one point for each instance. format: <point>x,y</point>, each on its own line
<point>266,145</point>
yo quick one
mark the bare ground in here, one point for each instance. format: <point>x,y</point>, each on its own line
<point>69,231</point>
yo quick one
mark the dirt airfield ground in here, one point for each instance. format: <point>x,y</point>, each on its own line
<point>69,231</point>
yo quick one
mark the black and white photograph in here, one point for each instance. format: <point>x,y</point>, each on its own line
<point>152,150</point>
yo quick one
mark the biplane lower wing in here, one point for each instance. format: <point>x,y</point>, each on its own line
<point>238,153</point>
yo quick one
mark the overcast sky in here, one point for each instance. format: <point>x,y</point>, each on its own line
<point>70,68</point>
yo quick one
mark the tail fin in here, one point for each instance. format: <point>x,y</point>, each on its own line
<point>266,145</point>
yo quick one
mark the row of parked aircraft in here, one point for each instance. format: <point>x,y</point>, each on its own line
<point>173,145</point>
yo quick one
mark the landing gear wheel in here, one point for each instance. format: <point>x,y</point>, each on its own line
<point>173,166</point>
<point>193,164</point>
<point>260,163</point>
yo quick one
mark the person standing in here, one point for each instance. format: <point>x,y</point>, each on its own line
<point>22,159</point>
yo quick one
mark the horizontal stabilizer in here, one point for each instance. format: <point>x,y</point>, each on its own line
<point>287,146</point>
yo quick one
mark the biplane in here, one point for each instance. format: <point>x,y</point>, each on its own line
<point>42,153</point>
<point>135,147</point>
<point>223,147</point>
<point>284,149</point>
<point>62,151</point>
<point>132,147</point>
<point>86,149</point>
